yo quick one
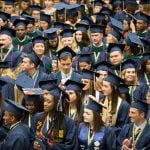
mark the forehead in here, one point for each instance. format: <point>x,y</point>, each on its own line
<point>133,110</point>
<point>88,111</point>
<point>130,69</point>
<point>96,34</point>
<point>4,36</point>
<point>26,59</point>
<point>115,53</point>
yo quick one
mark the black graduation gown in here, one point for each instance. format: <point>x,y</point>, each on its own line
<point>67,127</point>
<point>74,76</point>
<point>143,141</point>
<point>17,138</point>
<point>104,139</point>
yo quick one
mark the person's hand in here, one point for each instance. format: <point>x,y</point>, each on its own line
<point>127,148</point>
<point>132,26</point>
<point>36,146</point>
<point>127,142</point>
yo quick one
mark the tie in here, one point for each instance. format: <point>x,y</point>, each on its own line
<point>137,132</point>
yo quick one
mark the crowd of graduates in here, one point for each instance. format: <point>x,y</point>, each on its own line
<point>74,75</point>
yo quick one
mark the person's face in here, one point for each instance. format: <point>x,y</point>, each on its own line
<point>72,19</point>
<point>88,115</point>
<point>125,25</point>
<point>148,97</point>
<point>72,96</point>
<point>130,75</point>
<point>135,115</point>
<point>87,84</point>
<point>116,57</point>
<point>78,36</point>
<point>48,3</point>
<point>109,39</point>
<point>106,88</point>
<point>141,25</point>
<point>97,9</point>
<point>96,38</point>
<point>20,32</point>
<point>26,64</point>
<point>7,118</point>
<point>39,49</point>
<point>36,14</point>
<point>30,106</point>
<point>30,28</point>
<point>54,65</point>
<point>5,40</point>
<point>61,17</point>
<point>67,41</point>
<point>72,2</point>
<point>148,66</point>
<point>117,9</point>
<point>48,102</point>
<point>65,65</point>
<point>53,43</point>
<point>2,22</point>
<point>102,74</point>
<point>84,65</point>
<point>108,29</point>
<point>9,9</point>
<point>24,5</point>
<point>44,25</point>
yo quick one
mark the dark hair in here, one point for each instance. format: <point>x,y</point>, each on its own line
<point>145,113</point>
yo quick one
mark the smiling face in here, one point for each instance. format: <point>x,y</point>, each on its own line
<point>39,49</point>
<point>130,75</point>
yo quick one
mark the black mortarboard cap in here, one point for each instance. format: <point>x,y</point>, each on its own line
<point>51,33</point>
<point>9,2</point>
<point>142,16</point>
<point>112,78</point>
<point>4,64</point>
<point>116,24</point>
<point>96,28</point>
<point>48,84</point>
<point>20,22</point>
<point>36,7</point>
<point>89,74</point>
<point>140,105</point>
<point>102,65</point>
<point>129,63</point>
<point>146,56</point>
<point>82,27</point>
<point>8,31</point>
<point>38,39</point>
<point>85,20</point>
<point>106,11</point>
<point>6,79</point>
<point>34,58</point>
<point>72,9</point>
<point>28,17</point>
<point>123,89</point>
<point>45,17</point>
<point>66,51</point>
<point>74,85</point>
<point>60,8</point>
<point>94,106</point>
<point>4,16</point>
<point>32,97</point>
<point>130,2</point>
<point>98,2</point>
<point>67,33</point>
<point>115,47</point>
<point>14,107</point>
<point>84,57</point>
<point>116,33</point>
<point>133,40</point>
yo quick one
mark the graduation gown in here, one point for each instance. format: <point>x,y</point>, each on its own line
<point>17,138</point>
<point>104,139</point>
<point>74,76</point>
<point>64,140</point>
<point>142,143</point>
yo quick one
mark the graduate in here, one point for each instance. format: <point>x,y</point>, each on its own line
<point>4,17</point>
<point>19,134</point>
<point>39,48</point>
<point>65,56</point>
<point>52,126</point>
<point>92,134</point>
<point>135,135</point>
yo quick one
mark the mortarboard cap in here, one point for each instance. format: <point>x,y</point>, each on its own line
<point>34,58</point>
<point>94,106</point>
<point>97,2</point>
<point>96,28</point>
<point>72,9</point>
<point>36,7</point>
<point>82,27</point>
<point>102,65</point>
<point>13,18</point>
<point>116,24</point>
<point>67,33</point>
<point>38,39</point>
<point>143,2</point>
<point>146,56</point>
<point>45,17</point>
<point>73,85</point>
<point>9,2</point>
<point>130,2</point>
<point>140,105</point>
<point>66,51</point>
<point>115,47</point>
<point>6,79</point>
<point>8,31</point>
<point>116,33</point>
<point>106,11</point>
<point>129,63</point>
<point>123,89</point>
<point>4,16</point>
<point>84,57</point>
<point>60,8</point>
<point>14,107</point>
<point>34,98</point>
<point>133,40</point>
<point>51,33</point>
<point>88,74</point>
<point>20,22</point>
<point>112,78</point>
<point>142,16</point>
<point>85,20</point>
<point>28,17</point>
<point>48,84</point>
<point>4,64</point>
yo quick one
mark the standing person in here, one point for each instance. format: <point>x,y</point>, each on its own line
<point>19,134</point>
<point>52,125</point>
<point>135,135</point>
<point>92,134</point>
